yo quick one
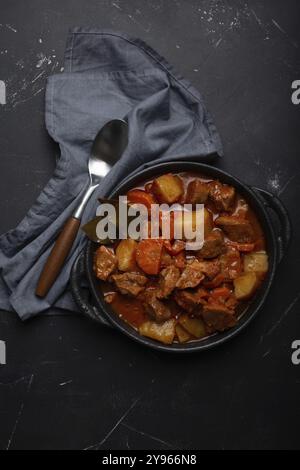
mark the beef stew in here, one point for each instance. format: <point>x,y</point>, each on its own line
<point>171,294</point>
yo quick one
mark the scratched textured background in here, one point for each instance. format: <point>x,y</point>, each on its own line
<point>71,385</point>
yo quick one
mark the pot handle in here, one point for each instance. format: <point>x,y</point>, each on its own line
<point>285,232</point>
<point>76,277</point>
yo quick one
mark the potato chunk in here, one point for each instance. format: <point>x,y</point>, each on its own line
<point>182,335</point>
<point>167,188</point>
<point>194,326</point>
<point>126,255</point>
<point>245,285</point>
<point>163,332</point>
<point>186,223</point>
<point>256,262</point>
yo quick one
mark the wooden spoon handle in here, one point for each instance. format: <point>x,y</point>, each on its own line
<point>57,256</point>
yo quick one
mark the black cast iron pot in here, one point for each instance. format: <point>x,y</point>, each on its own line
<point>277,234</point>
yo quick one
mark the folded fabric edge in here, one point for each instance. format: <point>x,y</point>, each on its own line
<point>157,58</point>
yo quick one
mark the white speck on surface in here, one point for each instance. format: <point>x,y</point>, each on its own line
<point>20,412</point>
<point>116,5</point>
<point>285,313</point>
<point>142,433</point>
<point>43,59</point>
<point>218,42</point>
<point>38,91</point>
<point>9,26</point>
<point>177,46</point>
<point>120,420</point>
<point>196,70</point>
<point>40,40</point>
<point>256,17</point>
<point>280,28</point>
<point>146,29</point>
<point>266,353</point>
<point>274,182</point>
<point>287,183</point>
<point>39,75</point>
<point>26,85</point>
<point>15,425</point>
<point>65,383</point>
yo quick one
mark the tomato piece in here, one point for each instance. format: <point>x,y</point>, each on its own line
<point>139,196</point>
<point>148,255</point>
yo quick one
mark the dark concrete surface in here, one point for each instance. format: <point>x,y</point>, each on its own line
<point>69,384</point>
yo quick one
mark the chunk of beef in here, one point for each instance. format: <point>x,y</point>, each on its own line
<point>168,279</point>
<point>213,245</point>
<point>231,265</point>
<point>174,249</point>
<point>191,276</point>
<point>130,283</point>
<point>241,210</point>
<point>236,228</point>
<point>105,262</point>
<point>231,302</point>
<point>222,195</point>
<point>218,317</point>
<point>180,260</point>
<point>166,259</point>
<point>210,268</point>
<point>191,300</point>
<point>155,307</point>
<point>197,192</point>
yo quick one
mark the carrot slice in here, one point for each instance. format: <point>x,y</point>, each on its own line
<point>215,282</point>
<point>148,255</point>
<point>245,247</point>
<point>139,196</point>
<point>221,292</point>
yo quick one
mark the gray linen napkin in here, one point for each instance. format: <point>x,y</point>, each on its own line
<point>106,75</point>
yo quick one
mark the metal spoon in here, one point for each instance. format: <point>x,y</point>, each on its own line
<point>107,148</point>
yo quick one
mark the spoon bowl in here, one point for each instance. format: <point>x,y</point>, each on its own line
<point>107,148</point>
